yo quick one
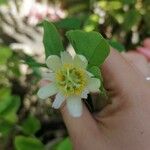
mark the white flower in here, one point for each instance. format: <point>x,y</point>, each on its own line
<point>69,81</point>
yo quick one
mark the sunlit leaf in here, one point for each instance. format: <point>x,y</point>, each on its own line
<point>110,5</point>
<point>91,23</point>
<point>5,53</point>
<point>28,143</point>
<point>3,2</point>
<point>64,144</point>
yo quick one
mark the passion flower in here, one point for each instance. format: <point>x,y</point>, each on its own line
<point>69,81</point>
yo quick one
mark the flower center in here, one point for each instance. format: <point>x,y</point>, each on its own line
<point>71,80</point>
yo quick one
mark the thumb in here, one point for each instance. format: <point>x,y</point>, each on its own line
<point>82,129</point>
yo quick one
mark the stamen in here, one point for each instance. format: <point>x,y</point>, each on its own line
<point>71,80</point>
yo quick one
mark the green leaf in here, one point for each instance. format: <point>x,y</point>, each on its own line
<point>64,144</point>
<point>3,2</point>
<point>52,41</point>
<point>31,125</point>
<point>116,45</point>
<point>5,53</point>
<point>69,23</point>
<point>128,1</point>
<point>95,71</point>
<point>132,17</point>
<point>31,62</point>
<point>28,143</point>
<point>110,5</point>
<point>5,99</point>
<point>5,128</point>
<point>91,23</point>
<point>9,113</point>
<point>90,44</point>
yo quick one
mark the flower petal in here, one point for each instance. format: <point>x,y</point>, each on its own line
<point>94,85</point>
<point>80,61</point>
<point>49,76</point>
<point>74,105</point>
<point>84,94</point>
<point>53,62</point>
<point>59,99</point>
<point>47,91</point>
<point>89,74</point>
<point>66,58</point>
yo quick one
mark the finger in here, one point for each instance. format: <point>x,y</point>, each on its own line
<point>146,43</point>
<point>118,74</point>
<point>82,130</point>
<point>145,52</point>
<point>138,61</point>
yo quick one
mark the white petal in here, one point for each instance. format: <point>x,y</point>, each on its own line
<point>94,85</point>
<point>84,94</point>
<point>80,61</point>
<point>89,74</point>
<point>47,91</point>
<point>53,62</point>
<point>49,76</point>
<point>66,58</point>
<point>59,99</point>
<point>74,105</point>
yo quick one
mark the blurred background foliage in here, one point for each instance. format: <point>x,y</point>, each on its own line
<point>27,123</point>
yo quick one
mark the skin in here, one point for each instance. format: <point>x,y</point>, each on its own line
<point>145,49</point>
<point>124,124</point>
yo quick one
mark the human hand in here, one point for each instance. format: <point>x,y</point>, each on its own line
<point>140,58</point>
<point>145,49</point>
<point>122,125</point>
<point>138,61</point>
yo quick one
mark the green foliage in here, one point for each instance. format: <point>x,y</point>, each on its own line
<point>8,105</point>
<point>31,125</point>
<point>110,5</point>
<point>3,2</point>
<point>95,70</point>
<point>10,111</point>
<point>52,42</point>
<point>64,144</point>
<point>90,44</point>
<point>128,1</point>
<point>5,53</point>
<point>69,23</point>
<point>5,98</point>
<point>132,17</point>
<point>28,143</point>
<point>5,128</point>
<point>116,45</point>
<point>91,23</point>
